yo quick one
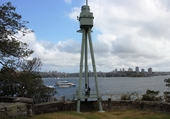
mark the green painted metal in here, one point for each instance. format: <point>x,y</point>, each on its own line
<point>86,24</point>
<point>80,74</point>
<point>86,59</point>
<point>86,17</point>
<point>94,70</point>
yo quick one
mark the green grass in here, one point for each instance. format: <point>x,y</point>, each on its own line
<point>128,114</point>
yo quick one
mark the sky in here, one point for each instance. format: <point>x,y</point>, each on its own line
<point>126,33</point>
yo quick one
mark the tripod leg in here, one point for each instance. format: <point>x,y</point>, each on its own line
<point>80,73</point>
<point>94,70</point>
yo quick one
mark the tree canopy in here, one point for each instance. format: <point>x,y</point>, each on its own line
<point>18,75</point>
<point>12,27</point>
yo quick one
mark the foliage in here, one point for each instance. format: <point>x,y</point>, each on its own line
<point>167,96</point>
<point>11,29</point>
<point>43,94</point>
<point>126,97</point>
<point>18,76</point>
<point>26,83</point>
<point>137,75</point>
<point>167,93</point>
<point>132,96</point>
<point>151,96</point>
<point>167,81</point>
<point>135,96</point>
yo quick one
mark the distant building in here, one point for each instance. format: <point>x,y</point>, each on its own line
<point>130,69</point>
<point>116,71</point>
<point>142,71</point>
<point>150,71</point>
<point>123,69</point>
<point>137,69</point>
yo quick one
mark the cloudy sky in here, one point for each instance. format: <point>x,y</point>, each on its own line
<point>126,33</point>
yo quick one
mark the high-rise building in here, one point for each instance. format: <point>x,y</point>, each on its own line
<point>142,71</point>
<point>116,72</point>
<point>137,69</point>
<point>130,69</point>
<point>150,71</point>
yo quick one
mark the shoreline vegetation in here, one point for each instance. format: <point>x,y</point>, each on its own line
<point>55,74</point>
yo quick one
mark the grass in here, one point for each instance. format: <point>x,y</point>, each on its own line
<point>128,114</point>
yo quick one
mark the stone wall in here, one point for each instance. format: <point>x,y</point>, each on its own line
<point>140,105</point>
<point>21,107</point>
<point>54,107</point>
<point>107,106</point>
<point>15,107</point>
<point>13,110</point>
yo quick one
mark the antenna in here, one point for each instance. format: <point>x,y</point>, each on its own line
<point>86,5</point>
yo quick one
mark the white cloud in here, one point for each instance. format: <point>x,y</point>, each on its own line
<point>130,33</point>
<point>63,56</point>
<point>68,1</point>
<point>74,13</point>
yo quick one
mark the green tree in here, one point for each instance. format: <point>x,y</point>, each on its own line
<point>25,83</point>
<point>167,93</point>
<point>11,29</point>
<point>151,96</point>
<point>19,76</point>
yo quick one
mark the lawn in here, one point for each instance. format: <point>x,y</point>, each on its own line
<point>128,114</point>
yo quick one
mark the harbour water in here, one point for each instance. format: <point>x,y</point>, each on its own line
<point>115,86</point>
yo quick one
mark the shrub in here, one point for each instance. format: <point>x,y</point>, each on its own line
<point>126,97</point>
<point>132,96</point>
<point>167,93</point>
<point>151,96</point>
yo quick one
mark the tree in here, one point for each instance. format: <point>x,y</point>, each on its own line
<point>151,96</point>
<point>18,76</point>
<point>167,93</point>
<point>25,83</point>
<point>36,89</point>
<point>11,26</point>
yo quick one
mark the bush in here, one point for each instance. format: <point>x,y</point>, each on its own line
<point>132,96</point>
<point>167,93</point>
<point>151,96</point>
<point>167,96</point>
<point>126,97</point>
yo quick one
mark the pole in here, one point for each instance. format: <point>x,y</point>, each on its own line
<point>80,73</point>
<point>94,69</point>
<point>86,59</point>
<point>86,5</point>
<point>86,2</point>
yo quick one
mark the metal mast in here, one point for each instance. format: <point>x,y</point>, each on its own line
<point>86,24</point>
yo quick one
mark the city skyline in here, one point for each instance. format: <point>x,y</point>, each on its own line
<point>115,70</point>
<point>136,69</point>
<point>125,33</point>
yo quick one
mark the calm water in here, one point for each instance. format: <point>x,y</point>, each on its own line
<point>114,85</point>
